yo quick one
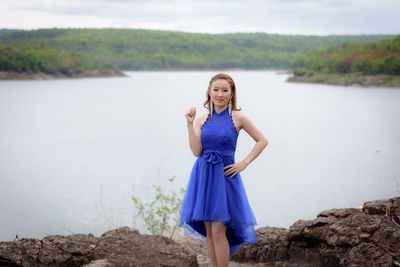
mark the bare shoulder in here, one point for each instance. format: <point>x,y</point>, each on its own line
<point>238,113</point>
<point>240,117</point>
<point>201,119</point>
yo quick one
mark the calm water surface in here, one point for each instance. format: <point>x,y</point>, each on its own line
<point>74,151</point>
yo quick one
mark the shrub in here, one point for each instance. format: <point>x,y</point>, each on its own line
<point>300,71</point>
<point>161,215</point>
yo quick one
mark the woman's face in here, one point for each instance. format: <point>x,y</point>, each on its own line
<point>220,93</point>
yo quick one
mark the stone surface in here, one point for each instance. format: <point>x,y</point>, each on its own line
<point>202,254</point>
<point>369,236</point>
<point>119,247</point>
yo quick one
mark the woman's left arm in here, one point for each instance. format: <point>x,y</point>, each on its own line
<point>257,135</point>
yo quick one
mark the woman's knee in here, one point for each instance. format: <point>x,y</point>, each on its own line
<point>218,230</point>
<point>208,229</point>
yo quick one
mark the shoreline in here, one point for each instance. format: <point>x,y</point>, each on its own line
<point>381,80</point>
<point>210,69</point>
<point>12,75</point>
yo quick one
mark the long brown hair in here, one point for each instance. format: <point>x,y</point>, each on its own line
<point>222,76</point>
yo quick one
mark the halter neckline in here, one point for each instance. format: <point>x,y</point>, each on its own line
<point>224,111</point>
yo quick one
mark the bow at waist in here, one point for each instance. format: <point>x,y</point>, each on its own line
<point>214,156</point>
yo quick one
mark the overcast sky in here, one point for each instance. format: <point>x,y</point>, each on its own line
<point>320,17</point>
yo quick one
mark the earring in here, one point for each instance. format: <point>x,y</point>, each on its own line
<point>211,106</point>
<point>230,106</point>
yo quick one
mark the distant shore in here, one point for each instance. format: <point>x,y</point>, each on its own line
<point>11,75</point>
<point>382,80</point>
<point>208,69</point>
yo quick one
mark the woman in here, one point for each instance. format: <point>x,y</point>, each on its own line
<point>215,205</point>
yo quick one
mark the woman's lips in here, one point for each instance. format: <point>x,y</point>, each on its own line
<point>220,100</point>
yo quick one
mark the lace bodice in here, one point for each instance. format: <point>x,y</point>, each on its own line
<point>219,132</point>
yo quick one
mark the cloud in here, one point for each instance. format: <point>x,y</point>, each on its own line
<point>275,16</point>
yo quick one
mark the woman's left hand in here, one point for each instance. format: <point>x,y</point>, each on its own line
<point>235,168</point>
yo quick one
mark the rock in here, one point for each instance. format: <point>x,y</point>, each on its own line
<point>388,207</point>
<point>98,263</point>
<point>369,236</point>
<point>272,245</point>
<point>119,247</point>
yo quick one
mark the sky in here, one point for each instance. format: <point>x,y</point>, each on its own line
<point>305,17</point>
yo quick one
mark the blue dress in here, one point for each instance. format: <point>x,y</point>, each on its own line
<point>212,196</point>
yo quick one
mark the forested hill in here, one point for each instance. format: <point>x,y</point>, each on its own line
<point>134,49</point>
<point>380,57</point>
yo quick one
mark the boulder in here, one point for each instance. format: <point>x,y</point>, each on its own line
<point>369,236</point>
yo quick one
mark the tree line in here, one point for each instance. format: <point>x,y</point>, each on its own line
<point>30,58</point>
<point>136,49</point>
<point>380,57</point>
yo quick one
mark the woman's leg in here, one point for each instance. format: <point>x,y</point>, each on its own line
<point>221,245</point>
<point>210,244</point>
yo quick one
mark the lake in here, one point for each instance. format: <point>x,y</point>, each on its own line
<point>74,151</point>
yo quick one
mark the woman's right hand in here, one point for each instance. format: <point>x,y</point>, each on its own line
<point>190,115</point>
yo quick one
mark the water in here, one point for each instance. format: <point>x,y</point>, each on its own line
<point>74,151</point>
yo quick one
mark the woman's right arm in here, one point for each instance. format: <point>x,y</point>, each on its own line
<point>194,132</point>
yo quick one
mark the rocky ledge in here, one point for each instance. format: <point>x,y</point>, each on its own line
<point>119,247</point>
<point>369,236</point>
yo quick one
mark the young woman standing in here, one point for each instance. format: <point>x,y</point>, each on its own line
<point>215,206</point>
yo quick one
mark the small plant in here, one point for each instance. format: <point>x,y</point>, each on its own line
<point>397,263</point>
<point>161,215</point>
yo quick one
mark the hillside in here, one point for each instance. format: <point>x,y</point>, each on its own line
<point>381,57</point>
<point>136,49</point>
<point>361,64</point>
<point>22,61</point>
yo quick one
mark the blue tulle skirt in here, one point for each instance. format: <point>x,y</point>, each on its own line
<point>212,196</point>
